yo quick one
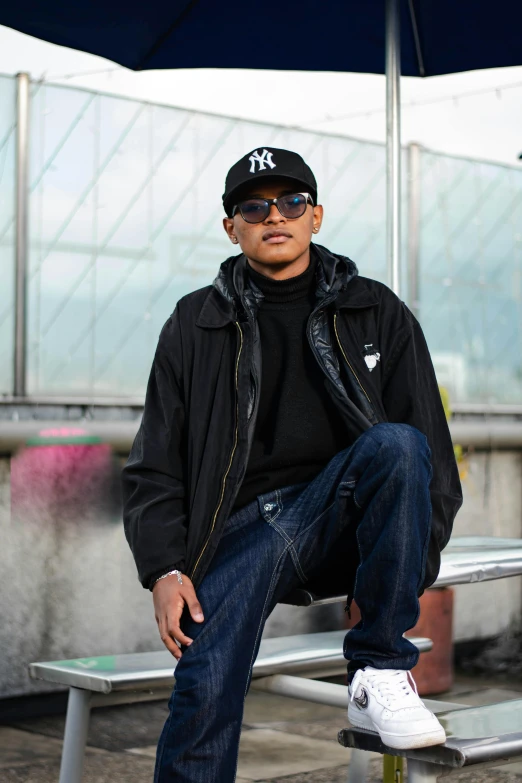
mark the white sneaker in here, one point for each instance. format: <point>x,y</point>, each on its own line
<point>384,701</point>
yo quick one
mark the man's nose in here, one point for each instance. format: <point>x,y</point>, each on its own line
<point>274,216</point>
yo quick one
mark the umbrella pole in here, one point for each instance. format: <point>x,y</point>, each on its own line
<point>393,145</point>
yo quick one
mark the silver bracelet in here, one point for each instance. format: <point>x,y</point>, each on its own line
<point>178,574</point>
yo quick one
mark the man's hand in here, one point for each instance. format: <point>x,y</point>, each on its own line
<point>169,598</point>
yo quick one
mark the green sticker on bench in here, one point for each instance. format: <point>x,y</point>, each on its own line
<point>100,662</point>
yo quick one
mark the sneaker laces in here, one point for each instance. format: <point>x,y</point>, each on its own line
<point>396,686</point>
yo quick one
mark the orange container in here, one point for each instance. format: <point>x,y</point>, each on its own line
<point>434,672</point>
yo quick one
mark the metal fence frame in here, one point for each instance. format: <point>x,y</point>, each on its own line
<point>22,228</point>
<point>22,195</point>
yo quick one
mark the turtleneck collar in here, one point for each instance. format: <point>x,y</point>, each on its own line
<point>293,288</point>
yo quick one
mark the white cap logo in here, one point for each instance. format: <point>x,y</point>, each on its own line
<point>264,158</point>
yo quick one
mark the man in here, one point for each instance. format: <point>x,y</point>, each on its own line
<point>293,434</point>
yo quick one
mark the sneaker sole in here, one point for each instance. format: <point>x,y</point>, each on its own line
<point>400,741</point>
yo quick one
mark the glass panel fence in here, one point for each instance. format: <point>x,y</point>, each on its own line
<point>126,217</point>
<point>7,229</point>
<point>470,264</point>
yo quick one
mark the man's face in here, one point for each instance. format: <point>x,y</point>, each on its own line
<point>277,239</point>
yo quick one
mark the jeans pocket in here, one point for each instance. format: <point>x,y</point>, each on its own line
<point>270,505</point>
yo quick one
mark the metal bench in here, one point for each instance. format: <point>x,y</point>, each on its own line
<point>282,666</point>
<point>120,679</point>
<point>466,559</point>
<point>477,736</point>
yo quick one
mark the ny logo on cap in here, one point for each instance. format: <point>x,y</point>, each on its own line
<point>264,158</point>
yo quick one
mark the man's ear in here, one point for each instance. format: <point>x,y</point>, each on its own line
<point>228,225</point>
<point>318,218</point>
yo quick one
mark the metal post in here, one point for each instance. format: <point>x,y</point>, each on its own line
<point>75,737</point>
<point>392,769</point>
<point>359,764</point>
<point>21,218</point>
<point>414,196</point>
<point>393,145</point>
<point>423,772</point>
<point>303,688</point>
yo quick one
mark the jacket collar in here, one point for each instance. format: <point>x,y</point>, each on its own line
<point>216,311</point>
<point>232,293</point>
<point>225,300</point>
<point>357,296</point>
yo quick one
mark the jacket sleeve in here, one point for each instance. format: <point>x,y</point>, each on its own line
<point>153,481</point>
<point>411,395</point>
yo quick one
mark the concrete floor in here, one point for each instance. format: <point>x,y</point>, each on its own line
<point>283,741</point>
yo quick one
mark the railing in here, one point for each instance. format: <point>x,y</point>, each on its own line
<point>110,210</point>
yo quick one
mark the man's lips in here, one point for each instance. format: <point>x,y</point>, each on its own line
<point>276,237</point>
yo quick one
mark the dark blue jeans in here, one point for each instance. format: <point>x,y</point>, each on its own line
<point>381,483</point>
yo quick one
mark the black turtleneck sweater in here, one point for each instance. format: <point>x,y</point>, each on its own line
<point>298,428</point>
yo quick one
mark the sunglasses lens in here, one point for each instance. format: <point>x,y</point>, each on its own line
<point>254,210</point>
<point>292,206</point>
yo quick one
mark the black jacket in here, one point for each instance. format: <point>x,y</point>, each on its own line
<point>190,453</point>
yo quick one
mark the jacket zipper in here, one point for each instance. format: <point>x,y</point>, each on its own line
<point>225,475</point>
<point>347,362</point>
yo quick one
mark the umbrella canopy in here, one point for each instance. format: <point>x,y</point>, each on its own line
<point>438,36</point>
<point>412,37</point>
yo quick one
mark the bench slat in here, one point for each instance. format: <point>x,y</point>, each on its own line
<point>476,735</point>
<point>466,559</point>
<point>142,671</point>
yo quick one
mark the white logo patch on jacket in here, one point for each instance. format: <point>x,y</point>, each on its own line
<point>371,357</point>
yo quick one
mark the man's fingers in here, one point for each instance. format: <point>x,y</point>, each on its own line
<point>170,644</point>
<point>172,647</point>
<point>189,596</point>
<point>195,609</point>
<point>173,620</point>
<point>176,633</point>
<point>169,601</point>
<point>170,634</point>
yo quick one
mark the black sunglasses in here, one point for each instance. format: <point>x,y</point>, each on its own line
<point>255,210</point>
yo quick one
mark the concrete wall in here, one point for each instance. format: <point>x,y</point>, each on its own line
<point>69,585</point>
<point>492,507</point>
<point>69,589</point>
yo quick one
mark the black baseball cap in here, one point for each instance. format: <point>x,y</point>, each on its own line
<point>267,162</point>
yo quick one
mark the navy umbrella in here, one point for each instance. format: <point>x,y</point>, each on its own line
<point>438,36</point>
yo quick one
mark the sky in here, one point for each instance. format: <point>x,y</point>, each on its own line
<point>474,114</point>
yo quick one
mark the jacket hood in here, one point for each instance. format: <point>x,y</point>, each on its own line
<point>334,272</point>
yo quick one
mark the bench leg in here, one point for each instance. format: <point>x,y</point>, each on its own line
<point>423,772</point>
<point>75,736</point>
<point>392,769</point>
<point>358,768</point>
